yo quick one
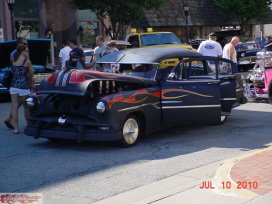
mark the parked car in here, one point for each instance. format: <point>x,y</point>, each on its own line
<point>259,80</point>
<point>3,90</point>
<point>120,45</point>
<point>143,98</point>
<point>155,39</point>
<point>246,55</point>
<point>195,43</point>
<point>38,55</point>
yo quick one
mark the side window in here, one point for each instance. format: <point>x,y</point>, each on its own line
<point>197,68</point>
<point>225,68</point>
<point>134,41</point>
<point>177,75</point>
<point>192,70</point>
<point>211,66</point>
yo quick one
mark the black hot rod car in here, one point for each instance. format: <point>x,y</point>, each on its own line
<point>146,95</point>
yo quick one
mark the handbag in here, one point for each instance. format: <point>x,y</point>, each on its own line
<point>6,79</point>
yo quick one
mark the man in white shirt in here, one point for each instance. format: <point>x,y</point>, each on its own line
<point>210,47</point>
<point>64,54</point>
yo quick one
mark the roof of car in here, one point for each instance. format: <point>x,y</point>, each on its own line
<point>147,55</point>
<point>147,33</point>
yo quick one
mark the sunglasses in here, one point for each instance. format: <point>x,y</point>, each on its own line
<point>24,43</point>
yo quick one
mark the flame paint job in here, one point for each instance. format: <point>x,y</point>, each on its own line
<point>52,77</point>
<point>131,99</point>
<point>79,76</point>
<point>180,90</point>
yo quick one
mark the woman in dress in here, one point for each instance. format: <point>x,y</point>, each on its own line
<point>22,82</point>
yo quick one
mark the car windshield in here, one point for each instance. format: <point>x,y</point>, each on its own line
<point>159,39</point>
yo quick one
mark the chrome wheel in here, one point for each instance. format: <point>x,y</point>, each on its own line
<point>131,131</point>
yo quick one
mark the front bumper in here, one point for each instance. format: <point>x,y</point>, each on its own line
<point>251,60</point>
<point>74,129</point>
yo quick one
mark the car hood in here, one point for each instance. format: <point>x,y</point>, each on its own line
<point>38,51</point>
<point>76,81</point>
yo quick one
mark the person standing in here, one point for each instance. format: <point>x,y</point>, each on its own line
<point>19,41</point>
<point>111,47</point>
<point>64,54</point>
<point>229,51</point>
<point>76,55</point>
<point>210,47</point>
<point>22,81</point>
<point>98,50</point>
<point>268,45</point>
<point>264,41</point>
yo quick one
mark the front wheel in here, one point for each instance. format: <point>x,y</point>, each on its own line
<point>130,132</point>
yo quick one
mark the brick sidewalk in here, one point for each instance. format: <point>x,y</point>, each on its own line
<point>252,171</point>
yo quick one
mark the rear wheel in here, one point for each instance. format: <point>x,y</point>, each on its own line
<point>270,93</point>
<point>130,132</point>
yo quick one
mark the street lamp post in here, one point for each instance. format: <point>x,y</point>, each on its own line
<point>186,9</point>
<point>11,8</point>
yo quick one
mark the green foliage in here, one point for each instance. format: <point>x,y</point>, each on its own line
<point>121,12</point>
<point>243,10</point>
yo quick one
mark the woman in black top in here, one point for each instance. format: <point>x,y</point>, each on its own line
<point>22,82</point>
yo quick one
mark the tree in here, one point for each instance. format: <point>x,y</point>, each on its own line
<point>121,13</point>
<point>244,10</point>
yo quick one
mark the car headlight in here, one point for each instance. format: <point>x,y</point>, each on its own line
<point>31,102</point>
<point>243,54</point>
<point>100,107</point>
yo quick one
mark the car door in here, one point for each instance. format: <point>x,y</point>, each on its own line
<point>231,86</point>
<point>191,94</point>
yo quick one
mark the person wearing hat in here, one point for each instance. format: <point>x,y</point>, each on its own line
<point>210,47</point>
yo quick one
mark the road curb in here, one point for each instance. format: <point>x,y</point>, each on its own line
<point>223,183</point>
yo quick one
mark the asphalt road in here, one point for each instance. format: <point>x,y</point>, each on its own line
<point>67,172</point>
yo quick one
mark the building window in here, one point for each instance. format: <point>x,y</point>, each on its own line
<point>88,27</point>
<point>27,18</point>
<point>26,9</point>
<point>27,29</point>
<point>87,32</point>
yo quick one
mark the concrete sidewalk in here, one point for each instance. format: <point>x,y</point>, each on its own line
<point>245,179</point>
